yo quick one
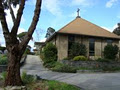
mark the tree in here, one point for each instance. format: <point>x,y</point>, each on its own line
<point>50,32</point>
<point>14,47</point>
<point>2,48</point>
<point>117,30</point>
<point>21,35</point>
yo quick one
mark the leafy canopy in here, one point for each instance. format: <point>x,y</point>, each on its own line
<point>50,32</point>
<point>117,30</point>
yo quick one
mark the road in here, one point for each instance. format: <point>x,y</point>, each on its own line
<point>86,81</point>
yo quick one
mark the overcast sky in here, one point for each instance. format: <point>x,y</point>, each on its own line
<point>57,13</point>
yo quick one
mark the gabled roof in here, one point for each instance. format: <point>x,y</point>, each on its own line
<point>83,27</point>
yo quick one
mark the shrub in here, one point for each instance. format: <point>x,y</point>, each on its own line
<point>27,51</point>
<point>3,60</point>
<point>2,48</point>
<point>3,75</point>
<point>50,64</point>
<point>50,53</point>
<point>67,58</point>
<point>77,49</point>
<point>77,58</point>
<point>103,60</point>
<point>59,67</point>
<point>28,78</point>
<point>110,51</point>
<point>41,55</point>
<point>106,68</point>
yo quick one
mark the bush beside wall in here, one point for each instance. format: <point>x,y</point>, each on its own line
<point>110,51</point>
<point>50,55</point>
<point>77,49</point>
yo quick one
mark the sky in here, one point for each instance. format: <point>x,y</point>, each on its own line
<point>58,13</point>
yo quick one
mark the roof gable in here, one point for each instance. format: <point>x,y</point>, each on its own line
<point>84,27</point>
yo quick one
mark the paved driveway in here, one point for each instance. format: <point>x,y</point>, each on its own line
<point>93,81</point>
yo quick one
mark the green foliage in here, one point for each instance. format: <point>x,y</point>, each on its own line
<point>106,68</point>
<point>103,60</point>
<point>50,32</point>
<point>3,60</point>
<point>117,30</point>
<point>77,49</point>
<point>21,35</point>
<point>78,58</point>
<point>110,51</point>
<point>50,64</point>
<point>2,48</point>
<point>59,67</point>
<point>27,78</point>
<point>55,85</point>
<point>41,55</point>
<point>27,51</point>
<point>67,58</point>
<point>51,85</point>
<point>3,75</point>
<point>50,53</point>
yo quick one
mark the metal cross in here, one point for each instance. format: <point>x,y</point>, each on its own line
<point>78,12</point>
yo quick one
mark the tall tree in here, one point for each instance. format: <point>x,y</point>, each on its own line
<point>14,46</point>
<point>117,30</point>
<point>50,32</point>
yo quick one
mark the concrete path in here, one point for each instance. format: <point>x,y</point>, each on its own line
<point>96,81</point>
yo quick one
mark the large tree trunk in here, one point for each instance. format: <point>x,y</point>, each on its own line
<point>13,70</point>
<point>14,47</point>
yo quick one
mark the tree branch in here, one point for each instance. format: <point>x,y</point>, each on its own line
<point>11,11</point>
<point>18,18</point>
<point>33,25</point>
<point>4,24</point>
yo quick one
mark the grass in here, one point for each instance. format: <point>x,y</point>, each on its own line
<point>44,84</point>
<point>50,85</point>
<point>1,83</point>
<point>59,67</point>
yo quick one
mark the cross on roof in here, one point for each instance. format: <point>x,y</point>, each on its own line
<point>78,12</point>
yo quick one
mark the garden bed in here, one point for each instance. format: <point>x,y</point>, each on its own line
<point>91,63</point>
<point>93,66</point>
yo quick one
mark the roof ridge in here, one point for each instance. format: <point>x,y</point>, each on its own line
<point>67,24</point>
<point>91,29</point>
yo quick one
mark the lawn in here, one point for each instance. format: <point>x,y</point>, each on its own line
<point>50,85</point>
<point>47,85</point>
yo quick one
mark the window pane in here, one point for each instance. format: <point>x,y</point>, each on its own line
<point>109,41</point>
<point>91,47</point>
<point>71,38</point>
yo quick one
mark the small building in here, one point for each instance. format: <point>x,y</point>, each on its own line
<point>80,30</point>
<point>38,46</point>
